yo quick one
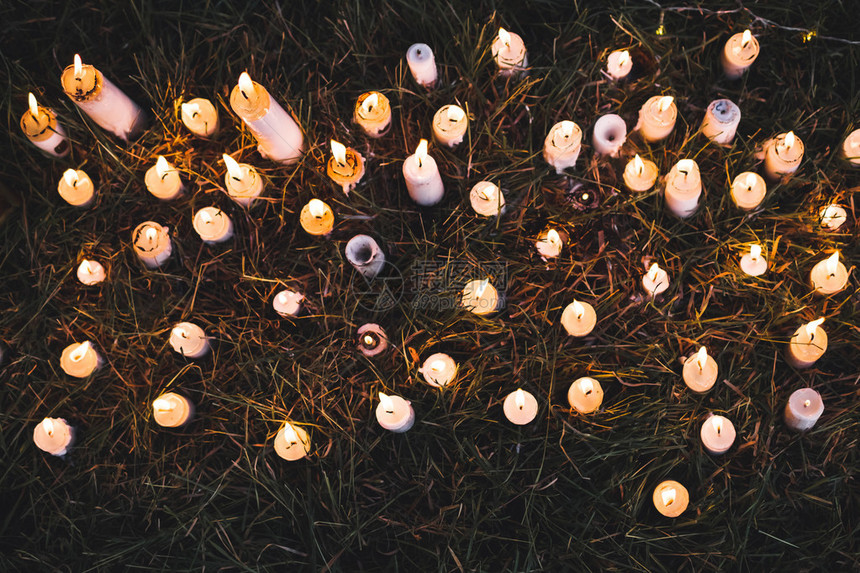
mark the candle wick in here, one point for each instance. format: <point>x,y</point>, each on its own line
<point>420,164</point>
<point>244,95</point>
<point>389,411</point>
<point>641,169</point>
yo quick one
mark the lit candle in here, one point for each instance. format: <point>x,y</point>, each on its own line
<point>671,498</point>
<point>200,117</point>
<point>80,360</point>
<point>243,182</point>
<point>345,166</point>
<point>803,409</point>
<point>163,181</point>
<point>100,99</point>
<point>739,53</point>
<point>450,124</point>
<point>171,410</point>
<point>748,190</point>
<point>833,217</point>
<point>394,413</point>
<point>188,339</point>
<point>372,339</point>
<point>609,135</point>
<point>718,434</point>
<point>657,118</point>
<point>292,442</point>
<point>317,218</point>
<point>509,51</point>
<point>807,345</point>
<point>91,272</point>
<point>683,188</point>
<point>851,147</point>
<point>829,276</point>
<point>480,297</point>
<point>422,64</point>
<point>655,281</point>
<point>619,64</point>
<point>640,174</point>
<point>439,370</point>
<point>279,137</point>
<point>487,199</point>
<point>41,127</point>
<point>213,225</point>
<point>365,256</point>
<point>782,155</point>
<point>520,407</point>
<point>422,177</point>
<point>54,436</point>
<point>585,395</point>
<point>549,244</point>
<point>288,303</point>
<point>578,319</point>
<point>721,121</point>
<point>76,188</point>
<point>151,244</point>
<point>753,263</point>
<point>562,145</point>
<point>700,371</point>
<point>373,114</point>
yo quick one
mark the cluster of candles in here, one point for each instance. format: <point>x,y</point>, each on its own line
<point>280,138</point>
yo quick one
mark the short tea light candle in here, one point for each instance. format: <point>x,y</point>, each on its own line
<point>278,135</point>
<point>640,174</point>
<point>449,125</point>
<point>670,498</point>
<point>345,166</point>
<point>151,243</point>
<point>422,64</point>
<point>509,51</point>
<point>54,436</point>
<point>213,225</point>
<point>288,303</point>
<point>833,217</point>
<point>549,244</point>
<point>562,145</point>
<point>585,395</point>
<point>76,188</point>
<point>163,180</point>
<point>803,409</point>
<point>655,281</point>
<point>487,199</point>
<point>170,410</point>
<point>578,319</point>
<point>520,407</point>
<point>373,114</point>
<point>41,127</point>
<point>829,276</point>
<point>807,345</point>
<point>422,177</point>
<point>317,218</point>
<point>188,339</point>
<point>700,371</point>
<point>782,155</point>
<point>292,442</point>
<point>721,121</point>
<point>91,273</point>
<point>372,339</point>
<point>200,117</point>
<point>739,54</point>
<point>657,118</point>
<point>365,255</point>
<point>718,435</point>
<point>609,135</point>
<point>439,370</point>
<point>101,100</point>
<point>80,360</point>
<point>748,190</point>
<point>480,297</point>
<point>851,148</point>
<point>753,263</point>
<point>243,182</point>
<point>619,64</point>
<point>683,188</point>
<point>394,413</point>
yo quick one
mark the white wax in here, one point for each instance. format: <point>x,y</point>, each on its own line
<point>585,395</point>
<point>423,180</point>
<point>106,104</point>
<point>189,340</point>
<point>657,119</point>
<point>77,190</point>
<point>91,272</point>
<point>170,410</point>
<point>450,124</point>
<point>780,158</point>
<point>670,498</point>
<point>487,199</point>
<point>700,377</point>
<point>828,276</point>
<point>510,55</point>
<point>738,54</point>
<point>80,359</point>
<point>804,350</point>
<point>851,148</point>
<point>395,414</point>
<point>619,64</point>
<point>550,243</point>
<point>200,117</point>
<point>364,254</point>
<point>610,133</point>
<point>422,64</point>
<point>288,303</point>
<point>54,436</point>
<point>683,188</point>
<point>640,175</point>
<point>165,185</point>
<point>279,136</point>
<point>655,281</point>
<point>245,189</point>
<point>213,225</point>
<point>832,217</point>
<point>754,264</point>
<point>718,434</point>
<point>803,409</point>
<point>151,243</point>
<point>748,190</point>
<point>578,319</point>
<point>372,113</point>
<point>372,339</point>
<point>721,121</point>
<point>439,370</point>
<point>480,297</point>
<point>292,442</point>
<point>520,407</point>
<point>562,145</point>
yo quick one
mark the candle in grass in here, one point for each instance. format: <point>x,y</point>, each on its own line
<point>345,166</point>
<point>656,280</point>
<point>851,148</point>
<point>450,124</point>
<point>807,344</point>
<point>317,218</point>
<point>803,409</point>
<point>700,371</point>
<point>619,64</point>
<point>163,180</point>
<point>657,118</point>
<point>829,276</point>
<point>288,303</point>
<point>562,145</point>
<point>721,121</point>
<point>640,174</point>
<point>739,54</point>
<point>578,319</point>
<point>373,114</point>
<point>609,135</point>
<point>200,117</point>
<point>394,413</point>
<point>188,339</point>
<point>278,135</point>
<point>422,64</point>
<point>670,498</point>
<point>753,263</point>
<point>683,188</point>
<point>243,182</point>
<point>151,243</point>
<point>213,225</point>
<point>292,442</point>
<point>585,395</point>
<point>520,407</point>
<point>549,244</point>
<point>439,370</point>
<point>782,155</point>
<point>365,255</point>
<point>41,127</point>
<point>91,272</point>
<point>76,188</point>
<point>509,51</point>
<point>80,359</point>
<point>372,339</point>
<point>54,436</point>
<point>833,217</point>
<point>171,410</point>
<point>480,297</point>
<point>422,177</point>
<point>487,199</point>
<point>748,190</point>
<point>718,434</point>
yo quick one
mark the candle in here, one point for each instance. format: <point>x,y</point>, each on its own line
<point>833,217</point>
<point>279,137</point>
<point>610,133</point>
<point>76,188</point>
<point>345,166</point>
<point>422,64</point>
<point>718,435</point>
<point>213,225</point>
<point>54,436</point>
<point>80,360</point>
<point>657,118</point>
<point>373,114</point>
<point>372,340</point>
<point>671,498</point>
<point>422,177</point>
<point>509,51</point>
<point>721,121</point>
<point>487,199</point>
<point>91,272</point>
<point>619,64</point>
<point>803,409</point>
<point>748,190</point>
<point>100,99</point>
<point>292,442</point>
<point>700,371</point>
<point>578,319</point>
<point>317,218</point>
<point>288,303</point>
<point>640,174</point>
<point>439,370</point>
<point>655,281</point>
<point>151,244</point>
<point>188,339</point>
<point>752,263</point>
<point>364,254</point>
<point>562,145</point>
<point>549,244</point>
<point>782,155</point>
<point>480,297</point>
<point>450,124</point>
<point>163,181</point>
<point>171,410</point>
<point>520,407</point>
<point>829,276</point>
<point>683,188</point>
<point>585,395</point>
<point>394,413</point>
<point>41,127</point>
<point>851,147</point>
<point>200,117</point>
<point>739,53</point>
<point>807,345</point>
<point>243,182</point>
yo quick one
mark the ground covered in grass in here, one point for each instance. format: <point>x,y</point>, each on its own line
<point>463,490</point>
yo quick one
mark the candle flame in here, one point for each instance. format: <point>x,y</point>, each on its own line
<point>653,271</point>
<point>812,326</point>
<point>163,404</point>
<point>48,425</point>
<point>717,423</point>
<point>586,385</point>
<point>623,58</point>
<point>505,37</point>
<point>317,208</point>
<point>638,164</point>
<point>755,252</point>
<point>190,109</point>
<point>482,286</point>
<point>685,166</point>
<point>151,234</point>
<point>370,102</point>
<point>807,403</point>
<point>832,263</point>
<point>233,167</point>
<point>368,340</point>
<point>746,38</point>
<point>831,212</point>
<point>437,366</point>
<point>455,113</point>
<point>668,496</point>
<point>520,398</point>
<point>162,167</point>
<point>578,309</point>
<point>386,402</point>
<point>702,357</point>
<point>553,238</point>
<point>34,106</point>
<point>180,332</point>
<point>246,85</point>
<point>79,67</point>
<point>338,150</point>
<point>78,353</point>
<point>487,193</point>
<point>751,180</point>
<point>88,269</point>
<point>664,103</point>
<point>788,142</point>
<point>290,434</point>
<point>205,216</point>
<point>283,297</point>
<point>567,128</point>
<point>71,177</point>
<point>421,152</point>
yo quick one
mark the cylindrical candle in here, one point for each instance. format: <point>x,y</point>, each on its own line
<point>171,410</point>
<point>200,117</point>
<point>721,121</point>
<point>829,276</point>
<point>609,134</point>
<point>509,51</point>
<point>487,199</point>
<point>807,345</point>
<point>163,180</point>
<point>151,243</point>
<point>718,434</point>
<point>243,182</point>
<point>364,254</point>
<point>292,442</point>
<point>562,145</point>
<point>585,395</point>
<point>91,272</point>
<point>394,413</point>
<point>450,124</point>
<point>549,244</point>
<point>54,436</point>
<point>739,53</point>
<point>373,114</point>
<point>278,135</point>
<point>656,280</point>
<point>520,407</point>
<point>213,225</point>
<point>748,190</point>
<point>700,371</point>
<point>753,263</point>
<point>683,188</point>
<point>851,148</point>
<point>188,339</point>
<point>288,303</point>
<point>80,360</point>
<point>803,409</point>
<point>317,218</point>
<point>619,64</point>
<point>670,498</point>
<point>422,64</point>
<point>640,174</point>
<point>782,155</point>
<point>657,118</point>
<point>439,370</point>
<point>76,188</point>
<point>345,166</point>
<point>422,177</point>
<point>480,297</point>
<point>833,217</point>
<point>41,127</point>
<point>578,319</point>
<point>372,339</point>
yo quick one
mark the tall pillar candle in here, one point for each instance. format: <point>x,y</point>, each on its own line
<point>345,166</point>
<point>151,243</point>
<point>509,51</point>
<point>200,117</point>
<point>657,118</point>
<point>748,190</point>
<point>394,413</point>
<point>41,127</point>
<point>365,255</point>
<point>721,121</point>
<point>683,188</point>
<point>562,145</point>
<point>243,182</point>
<point>163,180</point>
<point>807,344</point>
<point>422,177</point>
<point>782,155</point>
<point>739,53</point>
<point>422,64</point>
<point>373,114</point>
<point>76,188</point>
<point>803,409</point>
<point>292,442</point>
<point>54,436</point>
<point>170,410</point>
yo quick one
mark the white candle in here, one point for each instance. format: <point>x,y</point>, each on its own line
<point>562,145</point>
<point>721,121</point>
<point>372,114</point>
<point>213,225</point>
<point>288,303</point>
<point>100,99</point>
<point>188,339</point>
<point>151,243</point>
<point>670,498</point>
<point>450,124</point>
<point>739,53</point>
<point>578,319</point>
<point>748,190</point>
<point>200,117</point>
<point>829,276</point>
<point>317,218</point>
<point>520,407</point>
<point>683,188</point>
<point>655,281</point>
<point>365,256</point>
<point>609,135</point>
<point>807,345</point>
<point>439,370</point>
<point>657,118</point>
<point>243,182</point>
<point>619,64</point>
<point>54,436</point>
<point>41,127</point>
<point>851,147</point>
<point>480,297</point>
<point>80,360</point>
<point>509,51</point>
<point>422,64</point>
<point>803,409</point>
<point>91,272</point>
<point>394,413</point>
<point>585,395</point>
<point>372,339</point>
<point>640,174</point>
<point>833,217</point>
<point>292,442</point>
<point>422,177</point>
<point>718,434</point>
<point>487,199</point>
<point>278,135</point>
<point>753,263</point>
<point>549,244</point>
<point>170,410</point>
<point>76,188</point>
<point>345,166</point>
<point>163,180</point>
<point>782,155</point>
<point>700,371</point>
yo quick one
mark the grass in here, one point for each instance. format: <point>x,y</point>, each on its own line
<point>463,490</point>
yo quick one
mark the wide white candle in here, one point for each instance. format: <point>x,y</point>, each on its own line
<point>578,319</point>
<point>365,255</point>
<point>163,180</point>
<point>80,359</point>
<point>372,113</point>
<point>829,276</point>
<point>151,243</point>
<point>640,174</point>
<point>509,51</point>
<point>422,64</point>
<point>41,127</point>
<point>803,409</point>
<point>656,280</point>
<point>292,442</point>
<point>422,177</point>
<point>171,410</point>
<point>609,135</point>
<point>76,188</point>
<point>832,217</point>
<point>91,272</point>
<point>480,297</point>
<point>200,117</point>
<point>243,182</point>
<point>345,166</point>
<point>213,225</point>
<point>450,124</point>
<point>549,244</point>
<point>807,344</point>
<point>700,371</point>
<point>748,190</point>
<point>372,339</point>
<point>657,118</point>
<point>487,199</point>
<point>585,395</point>
<point>782,155</point>
<point>394,413</point>
<point>54,436</point>
<point>438,370</point>
<point>739,53</point>
<point>188,339</point>
<point>288,303</point>
<point>683,188</point>
<point>317,218</point>
<point>753,263</point>
<point>670,498</point>
<point>619,64</point>
<point>718,434</point>
<point>562,145</point>
<point>721,121</point>
<point>520,407</point>
<point>851,148</point>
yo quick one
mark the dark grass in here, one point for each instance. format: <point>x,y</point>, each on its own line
<point>463,490</point>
